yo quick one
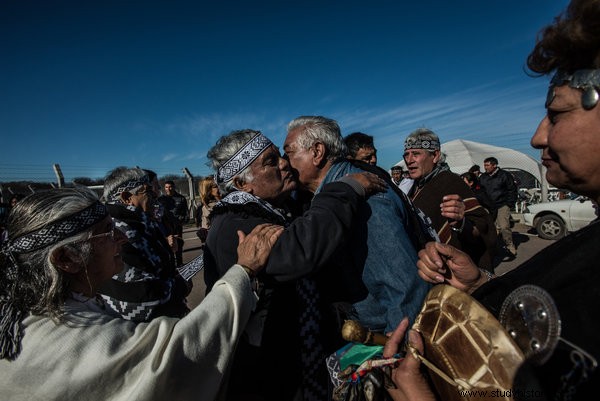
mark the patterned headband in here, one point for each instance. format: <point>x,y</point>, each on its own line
<point>242,158</point>
<point>418,143</point>
<point>587,80</point>
<point>115,194</point>
<point>56,231</point>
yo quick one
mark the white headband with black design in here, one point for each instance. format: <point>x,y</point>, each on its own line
<point>242,158</point>
<point>418,143</point>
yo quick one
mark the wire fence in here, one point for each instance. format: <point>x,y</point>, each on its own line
<point>29,178</point>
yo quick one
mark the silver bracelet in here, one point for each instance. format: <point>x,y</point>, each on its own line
<point>486,273</point>
<point>459,230</point>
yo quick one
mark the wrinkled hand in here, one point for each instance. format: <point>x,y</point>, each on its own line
<point>453,208</point>
<point>254,249</point>
<point>439,263</point>
<point>411,385</point>
<point>369,181</point>
<point>172,241</point>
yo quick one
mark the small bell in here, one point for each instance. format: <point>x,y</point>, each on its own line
<point>589,99</point>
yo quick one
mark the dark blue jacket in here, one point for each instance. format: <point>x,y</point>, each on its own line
<point>500,187</point>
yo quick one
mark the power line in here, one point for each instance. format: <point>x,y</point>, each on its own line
<point>45,173</point>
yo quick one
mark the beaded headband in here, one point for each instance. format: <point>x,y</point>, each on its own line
<point>56,231</point>
<point>115,194</point>
<point>242,158</point>
<point>418,143</point>
<point>586,80</point>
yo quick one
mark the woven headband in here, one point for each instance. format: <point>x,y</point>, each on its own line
<point>115,194</point>
<point>56,231</point>
<point>417,143</point>
<point>586,80</point>
<point>242,158</point>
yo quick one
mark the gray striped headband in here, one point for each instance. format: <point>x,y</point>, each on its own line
<point>56,231</point>
<point>242,158</point>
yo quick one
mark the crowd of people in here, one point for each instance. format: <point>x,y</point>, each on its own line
<point>92,304</point>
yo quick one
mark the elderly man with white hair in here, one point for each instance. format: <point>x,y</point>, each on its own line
<point>257,183</point>
<point>376,263</point>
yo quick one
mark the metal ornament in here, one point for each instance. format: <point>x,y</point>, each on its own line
<point>586,80</point>
<point>531,318</point>
<point>589,99</point>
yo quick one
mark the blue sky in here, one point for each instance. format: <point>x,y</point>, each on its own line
<point>92,85</point>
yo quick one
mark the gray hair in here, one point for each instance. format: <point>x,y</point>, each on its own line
<point>224,149</point>
<point>35,284</point>
<point>119,176</point>
<point>320,129</point>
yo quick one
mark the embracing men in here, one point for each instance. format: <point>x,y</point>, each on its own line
<point>337,251</point>
<point>374,267</point>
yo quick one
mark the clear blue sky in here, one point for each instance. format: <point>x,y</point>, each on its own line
<point>92,85</point>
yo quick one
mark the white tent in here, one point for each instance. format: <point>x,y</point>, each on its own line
<point>461,155</point>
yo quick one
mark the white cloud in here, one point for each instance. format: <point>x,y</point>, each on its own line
<point>169,157</point>
<point>496,113</point>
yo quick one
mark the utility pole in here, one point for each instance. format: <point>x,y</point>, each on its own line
<point>543,183</point>
<point>59,175</point>
<point>192,204</point>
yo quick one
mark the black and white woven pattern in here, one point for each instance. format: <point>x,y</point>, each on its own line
<point>135,311</point>
<point>58,230</point>
<point>243,198</point>
<point>129,186</point>
<point>148,278</point>
<point>313,355</point>
<point>418,143</point>
<point>334,369</point>
<point>190,269</point>
<point>243,158</point>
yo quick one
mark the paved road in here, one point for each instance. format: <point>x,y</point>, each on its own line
<point>191,249</point>
<point>527,245</point>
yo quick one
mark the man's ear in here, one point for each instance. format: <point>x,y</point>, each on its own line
<point>436,156</point>
<point>66,260</point>
<point>241,184</point>
<point>319,152</point>
<point>126,197</point>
